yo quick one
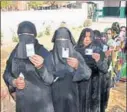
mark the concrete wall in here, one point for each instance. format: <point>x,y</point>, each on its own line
<point>10,20</point>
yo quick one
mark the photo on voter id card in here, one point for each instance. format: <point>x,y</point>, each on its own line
<point>88,51</point>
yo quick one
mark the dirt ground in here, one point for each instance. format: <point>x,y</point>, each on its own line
<point>117,100</point>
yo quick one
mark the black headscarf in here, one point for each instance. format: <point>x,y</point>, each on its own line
<point>98,38</point>
<point>26,34</point>
<point>62,39</point>
<point>80,47</point>
<point>116,27</point>
<point>97,34</point>
<point>82,36</point>
<point>27,27</point>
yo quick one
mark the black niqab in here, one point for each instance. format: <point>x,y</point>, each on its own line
<point>62,40</point>
<point>24,39</point>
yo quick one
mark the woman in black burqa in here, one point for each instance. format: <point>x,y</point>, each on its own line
<point>90,90</point>
<point>67,68</point>
<point>101,41</point>
<point>32,90</point>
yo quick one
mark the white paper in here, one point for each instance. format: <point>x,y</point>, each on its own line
<point>88,51</point>
<point>118,43</point>
<point>65,52</point>
<point>30,49</point>
<point>114,44</point>
<point>56,79</point>
<point>21,75</point>
<point>105,48</point>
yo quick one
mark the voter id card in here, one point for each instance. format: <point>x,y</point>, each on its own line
<point>105,48</point>
<point>21,75</point>
<point>114,44</point>
<point>88,51</point>
<point>65,52</point>
<point>30,49</point>
<point>118,43</point>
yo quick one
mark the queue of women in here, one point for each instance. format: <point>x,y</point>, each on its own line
<point>72,77</point>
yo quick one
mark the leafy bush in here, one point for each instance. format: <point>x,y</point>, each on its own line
<point>48,30</point>
<point>87,23</point>
<point>73,28</point>
<point>80,27</point>
<point>14,36</point>
<point>63,24</point>
<point>1,36</point>
<point>40,34</point>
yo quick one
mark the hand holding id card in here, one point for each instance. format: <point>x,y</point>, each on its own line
<point>88,51</point>
<point>65,52</point>
<point>21,75</point>
<point>30,50</point>
<point>118,43</point>
<point>105,48</point>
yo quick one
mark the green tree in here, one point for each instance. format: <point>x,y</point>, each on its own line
<point>53,3</point>
<point>6,4</point>
<point>35,4</point>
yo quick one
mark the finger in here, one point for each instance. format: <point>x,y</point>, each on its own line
<point>38,57</point>
<point>68,60</point>
<point>37,60</point>
<point>71,64</point>
<point>93,56</point>
<point>31,59</point>
<point>34,58</point>
<point>72,60</point>
<point>21,87</point>
<point>34,61</point>
<point>20,81</point>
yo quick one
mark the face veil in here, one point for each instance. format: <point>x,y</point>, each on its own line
<point>24,39</point>
<point>26,34</point>
<point>62,40</point>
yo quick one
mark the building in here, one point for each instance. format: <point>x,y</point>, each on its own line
<point>108,8</point>
<point>21,5</point>
<point>114,8</point>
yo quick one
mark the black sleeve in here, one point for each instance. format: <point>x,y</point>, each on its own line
<point>102,66</point>
<point>46,71</point>
<point>83,71</point>
<point>7,76</point>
